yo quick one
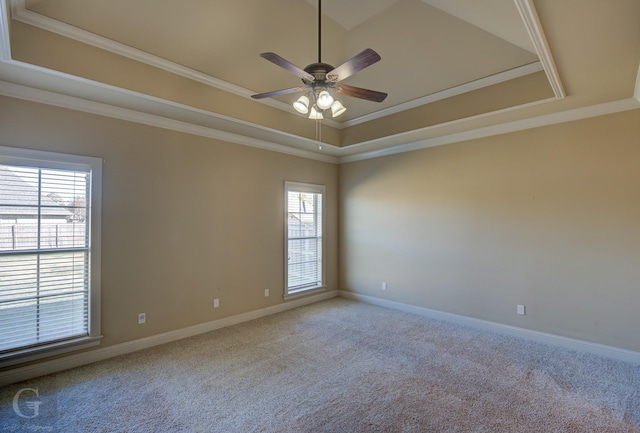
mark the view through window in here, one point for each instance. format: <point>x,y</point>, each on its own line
<point>304,255</point>
<point>45,256</point>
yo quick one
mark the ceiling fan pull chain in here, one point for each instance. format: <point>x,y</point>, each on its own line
<point>319,133</point>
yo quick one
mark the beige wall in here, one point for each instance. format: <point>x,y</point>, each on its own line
<point>547,217</point>
<point>185,219</point>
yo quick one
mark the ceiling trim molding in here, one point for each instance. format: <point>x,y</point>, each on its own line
<point>5,42</point>
<point>498,78</point>
<point>503,128</point>
<point>411,136</point>
<point>636,93</point>
<point>71,102</point>
<point>20,13</point>
<point>100,99</point>
<point>103,109</point>
<point>532,23</point>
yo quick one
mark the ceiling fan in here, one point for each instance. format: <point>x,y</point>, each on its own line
<point>319,77</point>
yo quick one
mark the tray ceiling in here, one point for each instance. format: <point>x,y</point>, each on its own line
<point>443,61</point>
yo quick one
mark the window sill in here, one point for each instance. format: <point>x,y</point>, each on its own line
<point>304,292</point>
<point>52,349</point>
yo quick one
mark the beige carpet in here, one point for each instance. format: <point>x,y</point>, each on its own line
<point>338,366</point>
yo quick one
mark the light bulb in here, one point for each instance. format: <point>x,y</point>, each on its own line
<point>324,100</point>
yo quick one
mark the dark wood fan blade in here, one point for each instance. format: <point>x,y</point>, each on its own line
<point>277,92</point>
<point>285,64</point>
<point>358,92</point>
<point>357,63</point>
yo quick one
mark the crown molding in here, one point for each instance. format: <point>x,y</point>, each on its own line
<point>636,93</point>
<point>185,125</point>
<point>20,13</point>
<point>37,84</point>
<point>532,23</point>
<point>102,109</point>
<point>498,78</point>
<point>5,42</point>
<point>502,128</point>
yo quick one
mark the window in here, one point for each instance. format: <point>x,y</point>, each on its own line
<point>304,245</point>
<point>49,253</point>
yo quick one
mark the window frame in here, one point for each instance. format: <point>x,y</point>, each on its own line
<point>305,188</point>
<point>52,160</point>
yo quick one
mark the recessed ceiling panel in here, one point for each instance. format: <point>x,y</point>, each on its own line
<point>424,49</point>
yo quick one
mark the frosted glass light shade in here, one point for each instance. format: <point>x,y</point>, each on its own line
<point>337,108</point>
<point>302,105</point>
<point>324,100</point>
<point>317,115</point>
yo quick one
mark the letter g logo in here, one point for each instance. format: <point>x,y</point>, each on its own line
<point>33,406</point>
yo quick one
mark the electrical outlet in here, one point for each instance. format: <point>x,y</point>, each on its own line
<point>384,286</point>
<point>216,303</point>
<point>266,293</point>
<point>142,318</point>
<point>520,310</point>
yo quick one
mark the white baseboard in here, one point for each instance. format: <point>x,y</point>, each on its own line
<point>541,337</point>
<point>47,367</point>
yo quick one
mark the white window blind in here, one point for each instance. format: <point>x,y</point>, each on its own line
<point>304,244</point>
<point>45,257</point>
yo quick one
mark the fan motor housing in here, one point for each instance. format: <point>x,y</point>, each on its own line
<point>319,72</point>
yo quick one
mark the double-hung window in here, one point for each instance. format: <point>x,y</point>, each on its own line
<point>304,246</point>
<point>49,253</point>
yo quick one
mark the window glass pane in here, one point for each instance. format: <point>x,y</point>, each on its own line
<point>305,262</point>
<point>19,187</point>
<point>42,208</point>
<point>44,256</point>
<point>304,240</point>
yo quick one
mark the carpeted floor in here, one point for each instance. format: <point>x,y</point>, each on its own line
<point>337,366</point>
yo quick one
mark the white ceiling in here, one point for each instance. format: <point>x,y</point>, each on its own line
<point>498,17</point>
<point>350,14</point>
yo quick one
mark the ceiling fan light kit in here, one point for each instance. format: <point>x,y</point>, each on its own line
<point>319,78</point>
